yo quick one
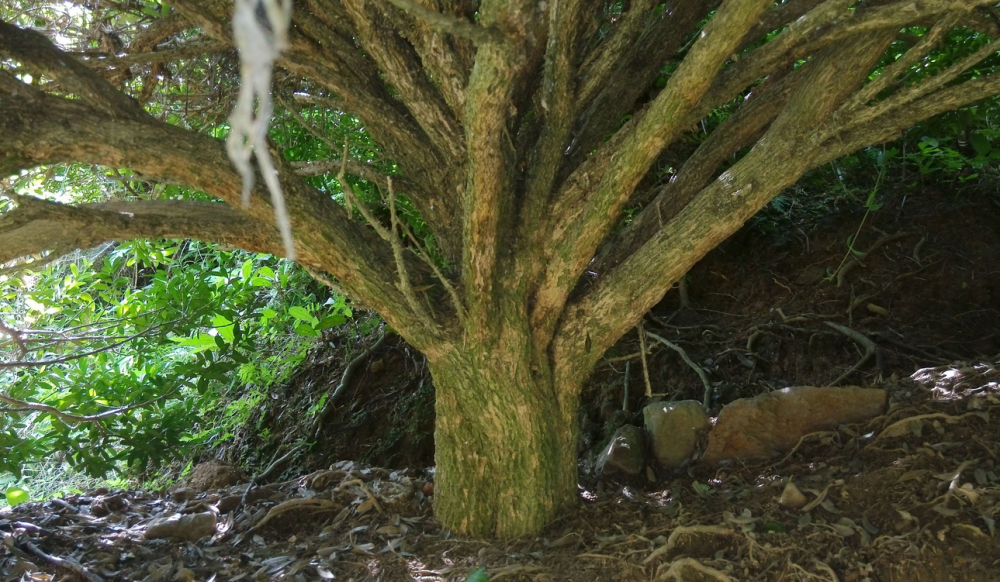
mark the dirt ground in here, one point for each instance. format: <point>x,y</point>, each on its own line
<point>912,495</point>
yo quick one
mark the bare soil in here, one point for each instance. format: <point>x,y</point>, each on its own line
<point>910,495</point>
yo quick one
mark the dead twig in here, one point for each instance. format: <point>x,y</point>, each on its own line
<point>687,359</point>
<point>73,418</point>
<point>861,339</point>
<point>15,336</point>
<point>642,352</point>
<point>270,469</point>
<point>390,236</point>
<point>63,563</point>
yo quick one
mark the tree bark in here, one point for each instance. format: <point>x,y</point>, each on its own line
<point>505,442</point>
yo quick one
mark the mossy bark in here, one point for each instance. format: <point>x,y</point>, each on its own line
<point>505,444</point>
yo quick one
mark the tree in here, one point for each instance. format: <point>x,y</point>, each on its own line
<point>520,132</point>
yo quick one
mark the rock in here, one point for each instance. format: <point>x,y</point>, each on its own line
<point>107,504</point>
<point>792,498</point>
<point>182,494</point>
<point>674,429</point>
<point>182,527</point>
<point>229,503</point>
<point>771,424</point>
<point>213,475</point>
<point>624,454</point>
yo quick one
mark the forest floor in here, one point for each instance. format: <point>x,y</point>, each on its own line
<point>912,494</point>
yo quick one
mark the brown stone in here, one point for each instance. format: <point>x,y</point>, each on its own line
<point>213,475</point>
<point>182,527</point>
<point>771,424</point>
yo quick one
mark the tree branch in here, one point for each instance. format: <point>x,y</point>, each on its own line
<point>38,225</point>
<point>583,217</point>
<point>53,130</point>
<point>449,24</point>
<point>323,50</point>
<point>612,80</point>
<point>622,296</point>
<point>402,68</point>
<point>186,51</point>
<point>441,57</point>
<point>38,54</point>
<point>740,130</point>
<point>500,70</point>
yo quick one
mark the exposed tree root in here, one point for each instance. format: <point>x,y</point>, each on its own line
<point>707,401</point>
<point>868,344</point>
<point>63,563</point>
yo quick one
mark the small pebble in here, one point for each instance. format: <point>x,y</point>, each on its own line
<point>792,498</point>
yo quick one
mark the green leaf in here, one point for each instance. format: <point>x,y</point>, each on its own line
<point>980,143</point>
<point>247,269</point>
<point>478,575</point>
<point>224,327</point>
<point>331,321</point>
<point>17,496</point>
<point>306,330</point>
<point>301,314</point>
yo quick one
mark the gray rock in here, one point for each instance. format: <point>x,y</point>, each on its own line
<point>674,429</point>
<point>624,454</point>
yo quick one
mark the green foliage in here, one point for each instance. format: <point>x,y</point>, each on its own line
<point>162,324</point>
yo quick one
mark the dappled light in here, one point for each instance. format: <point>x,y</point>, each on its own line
<point>472,291</point>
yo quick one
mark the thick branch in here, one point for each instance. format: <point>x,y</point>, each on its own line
<point>449,24</point>
<point>835,142</point>
<point>620,298</point>
<point>53,130</point>
<point>186,51</point>
<point>441,56</point>
<point>584,217</point>
<point>501,70</point>
<point>38,225</point>
<point>38,54</point>
<point>402,68</point>
<point>613,80</point>
<point>740,130</point>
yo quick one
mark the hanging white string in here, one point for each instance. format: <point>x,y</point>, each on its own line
<point>260,29</point>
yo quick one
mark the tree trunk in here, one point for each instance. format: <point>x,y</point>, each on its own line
<point>505,443</point>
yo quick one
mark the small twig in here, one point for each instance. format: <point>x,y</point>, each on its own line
<point>682,290</point>
<point>75,418</point>
<point>865,342</point>
<point>632,356</point>
<point>626,383</point>
<point>15,335</point>
<point>687,359</point>
<point>404,278</point>
<point>390,236</point>
<point>449,24</point>
<point>63,563</point>
<point>429,260</point>
<point>270,469</point>
<point>645,367</point>
<point>344,381</point>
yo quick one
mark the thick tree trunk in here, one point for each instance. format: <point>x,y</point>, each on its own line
<point>505,443</point>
